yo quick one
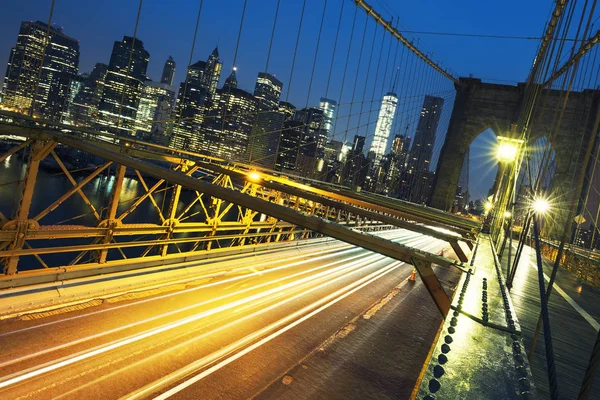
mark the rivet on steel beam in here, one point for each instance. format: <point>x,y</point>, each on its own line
<point>434,385</point>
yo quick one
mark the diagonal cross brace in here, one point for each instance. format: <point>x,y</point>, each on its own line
<point>366,241</point>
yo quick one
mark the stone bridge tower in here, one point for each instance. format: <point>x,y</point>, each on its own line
<point>479,106</point>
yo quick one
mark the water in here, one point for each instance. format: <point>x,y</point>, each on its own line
<point>51,184</point>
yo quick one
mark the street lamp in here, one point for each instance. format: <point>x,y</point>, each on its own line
<point>540,205</point>
<point>254,176</point>
<point>488,206</point>
<point>507,152</point>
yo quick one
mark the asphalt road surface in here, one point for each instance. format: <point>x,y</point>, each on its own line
<point>224,337</point>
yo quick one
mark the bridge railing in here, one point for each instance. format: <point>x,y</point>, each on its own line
<point>574,260</point>
<point>120,199</point>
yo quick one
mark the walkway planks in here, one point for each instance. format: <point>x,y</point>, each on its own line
<point>573,334</point>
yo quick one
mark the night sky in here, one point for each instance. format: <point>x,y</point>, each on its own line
<point>166,28</point>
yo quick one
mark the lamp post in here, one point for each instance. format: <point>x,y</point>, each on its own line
<point>507,153</point>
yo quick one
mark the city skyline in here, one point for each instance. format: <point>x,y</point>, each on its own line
<point>245,65</point>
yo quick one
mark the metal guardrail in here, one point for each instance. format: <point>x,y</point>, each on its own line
<point>582,265</point>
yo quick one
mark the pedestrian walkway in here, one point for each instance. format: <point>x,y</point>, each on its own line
<point>479,353</point>
<point>574,310</point>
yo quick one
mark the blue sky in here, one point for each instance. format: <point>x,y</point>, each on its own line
<point>166,28</point>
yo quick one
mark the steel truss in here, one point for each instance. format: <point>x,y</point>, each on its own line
<point>267,209</point>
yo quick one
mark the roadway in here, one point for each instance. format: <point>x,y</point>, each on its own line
<point>229,336</point>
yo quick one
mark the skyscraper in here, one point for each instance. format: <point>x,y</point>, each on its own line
<point>84,109</point>
<point>289,142</point>
<point>168,72</point>
<point>60,59</point>
<point>268,91</point>
<point>328,106</point>
<point>356,165</point>
<point>156,103</point>
<point>269,121</point>
<point>422,148</point>
<point>383,126</point>
<point>229,121</point>
<point>213,71</point>
<point>313,140</point>
<point>196,96</point>
<point>123,86</point>
<point>189,112</point>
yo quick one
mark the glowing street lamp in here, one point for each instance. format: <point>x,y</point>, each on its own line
<point>508,149</point>
<point>540,205</point>
<point>488,205</point>
<point>254,176</point>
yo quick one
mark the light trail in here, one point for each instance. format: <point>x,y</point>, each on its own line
<point>140,393</point>
<point>328,300</point>
<point>36,371</point>
<point>349,248</point>
<point>180,310</point>
<point>190,307</point>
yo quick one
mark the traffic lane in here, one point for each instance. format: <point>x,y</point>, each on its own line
<point>91,323</point>
<point>252,372</point>
<point>178,310</point>
<point>74,322</point>
<point>376,356</point>
<point>73,374</point>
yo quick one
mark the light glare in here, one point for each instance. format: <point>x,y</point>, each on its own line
<point>541,205</point>
<point>254,176</point>
<point>507,152</point>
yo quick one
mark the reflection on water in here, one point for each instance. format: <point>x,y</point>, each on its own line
<point>51,185</point>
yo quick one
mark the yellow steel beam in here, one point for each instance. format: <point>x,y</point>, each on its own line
<point>367,241</point>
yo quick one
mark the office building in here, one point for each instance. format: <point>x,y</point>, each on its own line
<point>269,121</point>
<point>421,151</point>
<point>229,121</point>
<point>383,127</point>
<point>168,72</point>
<point>156,104</point>
<point>213,71</point>
<point>59,61</point>
<point>289,145</point>
<point>123,86</point>
<point>312,143</point>
<point>328,106</point>
<point>83,111</point>
<point>196,95</point>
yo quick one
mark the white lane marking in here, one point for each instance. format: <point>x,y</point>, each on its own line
<point>394,235</point>
<point>569,300</point>
<point>238,344</point>
<point>51,366</point>
<point>192,306</point>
